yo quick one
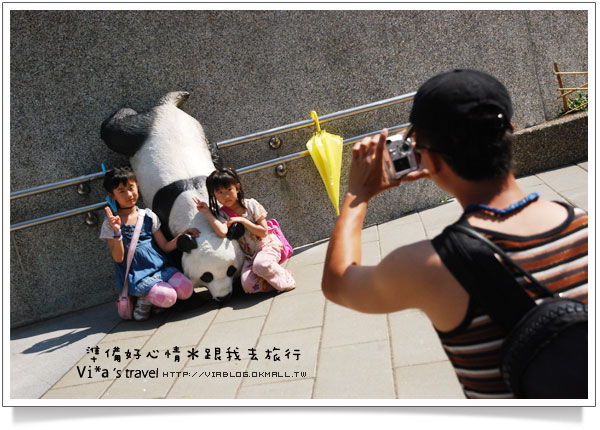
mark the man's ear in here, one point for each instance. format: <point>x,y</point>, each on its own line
<point>433,161</point>
<point>438,162</point>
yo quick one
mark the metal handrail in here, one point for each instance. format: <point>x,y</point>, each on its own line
<point>302,154</point>
<point>237,141</point>
<point>248,169</point>
<point>309,122</point>
<point>223,144</point>
<point>55,185</point>
<point>55,217</point>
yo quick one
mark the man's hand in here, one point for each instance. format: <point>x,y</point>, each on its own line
<point>415,176</point>
<point>368,176</point>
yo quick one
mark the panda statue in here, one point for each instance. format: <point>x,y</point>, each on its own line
<point>170,156</point>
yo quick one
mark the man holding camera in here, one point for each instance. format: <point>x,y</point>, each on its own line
<point>462,135</point>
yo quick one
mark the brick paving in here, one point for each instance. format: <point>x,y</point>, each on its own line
<point>343,354</point>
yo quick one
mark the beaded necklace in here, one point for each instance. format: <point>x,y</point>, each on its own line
<point>507,210</point>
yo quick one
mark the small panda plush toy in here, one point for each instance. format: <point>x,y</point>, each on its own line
<point>171,158</point>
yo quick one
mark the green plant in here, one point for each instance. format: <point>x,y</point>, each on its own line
<point>444,199</point>
<point>578,103</point>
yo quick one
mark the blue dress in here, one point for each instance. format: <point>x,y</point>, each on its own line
<point>149,264</point>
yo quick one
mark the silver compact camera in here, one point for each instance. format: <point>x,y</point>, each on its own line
<point>402,156</point>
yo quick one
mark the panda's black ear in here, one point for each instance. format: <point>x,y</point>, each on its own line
<point>186,243</point>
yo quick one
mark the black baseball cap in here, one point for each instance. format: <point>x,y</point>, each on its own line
<point>444,102</point>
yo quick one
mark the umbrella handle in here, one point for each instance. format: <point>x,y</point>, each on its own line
<point>315,118</point>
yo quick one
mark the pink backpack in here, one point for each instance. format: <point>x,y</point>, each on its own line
<point>273,227</point>
<point>287,250</point>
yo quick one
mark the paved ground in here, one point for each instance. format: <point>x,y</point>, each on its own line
<point>325,351</point>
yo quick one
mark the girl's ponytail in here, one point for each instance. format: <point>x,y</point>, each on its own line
<point>213,204</point>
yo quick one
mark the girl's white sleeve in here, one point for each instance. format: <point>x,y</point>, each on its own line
<point>106,231</point>
<point>155,220</point>
<point>256,210</point>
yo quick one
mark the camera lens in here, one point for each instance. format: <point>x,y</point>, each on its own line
<point>405,146</point>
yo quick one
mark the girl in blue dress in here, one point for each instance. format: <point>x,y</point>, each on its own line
<point>150,279</point>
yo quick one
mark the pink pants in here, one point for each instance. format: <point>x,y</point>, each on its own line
<point>263,273</point>
<point>165,294</point>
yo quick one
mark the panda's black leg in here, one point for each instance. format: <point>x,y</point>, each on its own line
<point>126,130</point>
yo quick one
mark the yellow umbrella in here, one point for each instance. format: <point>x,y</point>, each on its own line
<point>326,152</point>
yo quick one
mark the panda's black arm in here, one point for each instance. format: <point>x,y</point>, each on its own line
<point>170,245</point>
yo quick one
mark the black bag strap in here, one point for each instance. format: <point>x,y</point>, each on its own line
<point>470,257</point>
<point>497,250</point>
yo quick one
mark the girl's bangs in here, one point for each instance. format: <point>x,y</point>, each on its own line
<point>118,176</point>
<point>221,180</point>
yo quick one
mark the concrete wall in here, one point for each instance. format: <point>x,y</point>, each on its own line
<point>247,71</point>
<point>554,143</point>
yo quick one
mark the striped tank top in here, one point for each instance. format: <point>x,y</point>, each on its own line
<point>559,260</point>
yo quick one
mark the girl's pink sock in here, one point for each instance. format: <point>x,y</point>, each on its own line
<point>182,285</point>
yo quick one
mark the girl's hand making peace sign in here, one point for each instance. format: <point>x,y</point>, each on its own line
<point>113,220</point>
<point>201,206</point>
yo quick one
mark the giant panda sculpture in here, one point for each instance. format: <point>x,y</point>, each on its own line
<point>170,156</point>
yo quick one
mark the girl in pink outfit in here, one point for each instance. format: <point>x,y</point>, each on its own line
<point>227,205</point>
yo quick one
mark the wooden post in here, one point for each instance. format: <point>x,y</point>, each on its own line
<point>561,86</point>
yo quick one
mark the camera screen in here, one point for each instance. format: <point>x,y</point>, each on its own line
<point>401,164</point>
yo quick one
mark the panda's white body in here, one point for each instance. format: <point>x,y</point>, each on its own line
<point>171,148</point>
<point>175,149</point>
